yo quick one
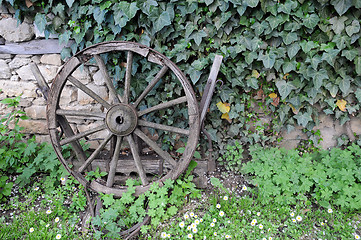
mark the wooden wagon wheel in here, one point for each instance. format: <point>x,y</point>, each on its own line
<point>120,117</point>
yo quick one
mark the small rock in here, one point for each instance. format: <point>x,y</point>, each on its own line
<point>51,59</point>
<point>12,32</point>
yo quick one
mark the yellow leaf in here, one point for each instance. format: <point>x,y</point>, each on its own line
<point>224,107</point>
<point>273,95</point>
<point>226,116</point>
<point>294,110</point>
<point>255,73</point>
<point>341,104</point>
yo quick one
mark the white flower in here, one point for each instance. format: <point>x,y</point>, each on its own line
<point>201,220</point>
<point>48,211</point>
<point>189,227</point>
<point>168,235</point>
<point>196,221</point>
<point>190,236</point>
<point>186,216</point>
<point>254,220</point>
<point>299,218</point>
<point>181,224</point>
<point>258,214</point>
<point>357,236</point>
<point>270,238</point>
<point>221,213</point>
<point>228,236</point>
<point>58,236</point>
<point>194,230</point>
<point>62,179</point>
<point>253,223</point>
<point>47,225</point>
<point>244,188</point>
<point>212,224</point>
<point>195,216</point>
<point>225,198</point>
<point>330,210</point>
<point>191,214</point>
<point>264,238</point>
<point>293,220</point>
<point>31,230</point>
<point>215,233</point>
<point>193,225</point>
<point>218,205</point>
<point>36,189</point>
<point>260,226</point>
<point>322,224</point>
<point>214,220</point>
<point>57,219</point>
<point>292,214</point>
<point>163,235</point>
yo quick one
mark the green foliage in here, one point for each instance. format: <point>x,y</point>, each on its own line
<point>232,159</point>
<point>329,177</point>
<point>160,203</point>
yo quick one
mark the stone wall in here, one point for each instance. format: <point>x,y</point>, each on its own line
<point>16,79</point>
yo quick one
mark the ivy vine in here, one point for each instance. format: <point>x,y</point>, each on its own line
<point>289,58</point>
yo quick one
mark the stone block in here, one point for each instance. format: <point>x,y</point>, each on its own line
<point>85,99</point>
<point>329,138</point>
<point>39,34</point>
<point>13,89</point>
<point>34,126</point>
<point>49,72</point>
<point>18,62</point>
<point>3,9</point>
<point>36,112</point>
<point>12,32</point>
<point>42,139</point>
<point>25,73</point>
<point>4,70</point>
<point>355,124</point>
<point>325,121</point>
<point>5,56</point>
<point>292,139</point>
<point>14,78</point>
<point>68,95</point>
<point>98,78</point>
<point>82,74</point>
<point>51,59</point>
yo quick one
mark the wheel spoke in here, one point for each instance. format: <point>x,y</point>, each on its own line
<point>95,153</point>
<point>137,161</point>
<point>128,75</point>
<point>88,91</point>
<point>159,75</point>
<point>80,135</point>
<point>114,162</point>
<point>103,69</point>
<point>165,155</point>
<point>76,113</point>
<point>163,127</point>
<point>163,105</point>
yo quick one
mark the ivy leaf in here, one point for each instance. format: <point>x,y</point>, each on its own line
<point>330,56</point>
<point>308,45</point>
<point>194,74</point>
<point>310,21</point>
<point>274,21</point>
<point>162,21</point>
<point>251,3</point>
<point>284,88</point>
<point>341,41</point>
<point>40,21</point>
<point>220,21</point>
<point>289,66</point>
<point>99,15</point>
<point>293,49</point>
<point>197,36</point>
<point>345,85</point>
<point>290,38</point>
<point>357,62</point>
<point>350,54</point>
<point>338,24</point>
<point>353,28</point>
<point>253,83</point>
<point>260,27</point>
<point>223,107</point>
<point>70,3</point>
<point>64,37</point>
<point>128,9</point>
<point>358,94</point>
<point>303,119</point>
<point>250,56</point>
<point>341,104</point>
<point>318,77</point>
<point>268,59</point>
<point>315,60</point>
<point>341,6</point>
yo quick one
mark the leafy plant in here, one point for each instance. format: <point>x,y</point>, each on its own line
<point>232,158</point>
<point>329,177</point>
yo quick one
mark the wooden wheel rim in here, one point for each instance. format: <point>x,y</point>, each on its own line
<point>55,118</point>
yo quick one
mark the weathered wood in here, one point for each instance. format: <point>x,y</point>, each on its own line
<point>117,46</point>
<point>95,153</point>
<point>88,91</point>
<point>163,105</point>
<point>33,47</point>
<point>41,80</point>
<point>137,161</point>
<point>77,113</point>
<point>150,86</point>
<point>114,162</point>
<point>163,127</point>
<point>128,75</point>
<point>81,135</point>
<point>103,69</point>
<point>165,155</point>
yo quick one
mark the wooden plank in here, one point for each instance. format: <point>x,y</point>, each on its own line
<point>41,46</point>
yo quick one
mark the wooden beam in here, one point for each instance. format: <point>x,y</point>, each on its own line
<point>41,46</point>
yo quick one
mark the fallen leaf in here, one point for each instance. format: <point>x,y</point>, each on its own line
<point>285,76</point>
<point>273,95</point>
<point>276,101</point>
<point>341,104</point>
<point>260,95</point>
<point>226,116</point>
<point>28,3</point>
<point>294,110</point>
<point>224,107</point>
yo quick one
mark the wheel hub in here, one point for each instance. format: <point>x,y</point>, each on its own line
<point>121,119</point>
